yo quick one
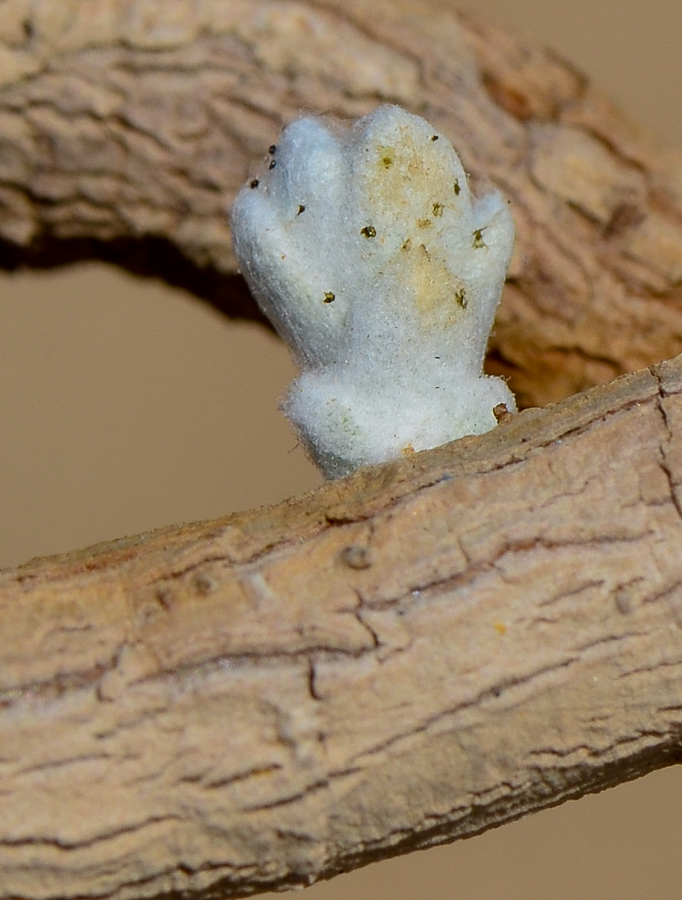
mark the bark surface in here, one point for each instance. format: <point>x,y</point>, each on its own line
<point>425,650</point>
<point>127,126</point>
<point>421,651</point>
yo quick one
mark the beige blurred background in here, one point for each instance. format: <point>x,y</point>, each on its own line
<point>125,405</point>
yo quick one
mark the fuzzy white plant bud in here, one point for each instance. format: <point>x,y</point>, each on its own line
<point>364,247</point>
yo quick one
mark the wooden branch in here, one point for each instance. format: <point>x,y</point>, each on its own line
<point>425,650</point>
<point>126,128</point>
<point>421,651</point>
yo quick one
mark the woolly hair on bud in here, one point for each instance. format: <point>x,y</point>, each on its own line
<point>365,248</point>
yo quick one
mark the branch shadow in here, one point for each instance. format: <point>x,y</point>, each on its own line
<point>147,257</point>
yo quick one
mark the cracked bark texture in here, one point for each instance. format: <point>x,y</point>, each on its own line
<point>126,127</point>
<point>425,650</point>
<point>428,648</point>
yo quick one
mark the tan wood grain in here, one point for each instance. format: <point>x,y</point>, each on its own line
<point>127,126</point>
<point>418,652</point>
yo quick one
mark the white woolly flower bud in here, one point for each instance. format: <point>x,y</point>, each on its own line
<point>364,247</point>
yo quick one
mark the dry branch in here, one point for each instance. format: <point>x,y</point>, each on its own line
<point>126,127</point>
<point>425,650</point>
<point>419,652</point>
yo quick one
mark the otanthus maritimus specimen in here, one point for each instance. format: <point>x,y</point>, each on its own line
<point>365,248</point>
